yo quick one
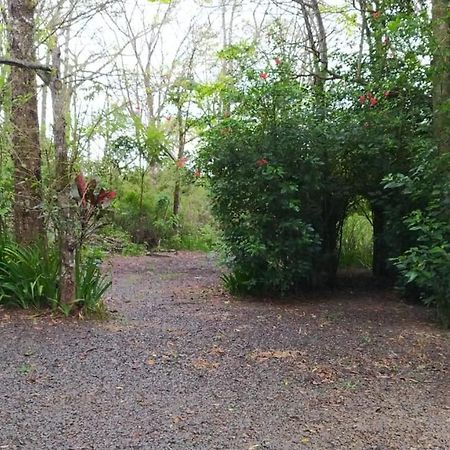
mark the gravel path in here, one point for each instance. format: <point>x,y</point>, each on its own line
<point>182,365</point>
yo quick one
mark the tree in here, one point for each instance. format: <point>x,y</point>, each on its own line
<point>441,74</point>
<point>26,151</point>
<point>65,220</point>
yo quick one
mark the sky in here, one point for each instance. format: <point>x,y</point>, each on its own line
<point>95,45</point>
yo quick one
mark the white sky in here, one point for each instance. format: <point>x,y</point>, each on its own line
<point>103,36</point>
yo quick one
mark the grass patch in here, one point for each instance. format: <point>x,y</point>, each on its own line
<point>357,242</point>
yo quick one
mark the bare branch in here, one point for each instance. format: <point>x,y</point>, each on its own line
<point>24,64</point>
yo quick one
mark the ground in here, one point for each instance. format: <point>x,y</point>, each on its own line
<point>182,365</point>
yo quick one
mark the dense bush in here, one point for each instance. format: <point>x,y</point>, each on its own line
<point>287,161</point>
<point>277,189</point>
<point>91,287</point>
<point>146,219</point>
<point>271,245</point>
<point>425,265</point>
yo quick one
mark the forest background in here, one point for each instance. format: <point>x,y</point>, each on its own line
<point>296,137</point>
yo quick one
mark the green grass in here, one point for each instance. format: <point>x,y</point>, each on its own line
<point>357,245</point>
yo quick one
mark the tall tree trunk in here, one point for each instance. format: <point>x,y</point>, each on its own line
<point>26,151</point>
<point>331,215</point>
<point>66,222</point>
<point>180,156</point>
<point>43,124</point>
<point>441,74</point>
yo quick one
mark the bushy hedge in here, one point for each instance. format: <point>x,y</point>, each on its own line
<point>425,266</point>
<point>274,184</point>
<point>270,238</point>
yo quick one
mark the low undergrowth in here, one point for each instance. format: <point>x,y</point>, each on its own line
<point>29,280</point>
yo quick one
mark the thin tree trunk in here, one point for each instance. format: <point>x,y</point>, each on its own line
<point>176,197</point>
<point>43,124</point>
<point>441,74</point>
<point>180,156</point>
<point>380,251</point>
<point>66,223</point>
<point>26,151</point>
<point>322,47</point>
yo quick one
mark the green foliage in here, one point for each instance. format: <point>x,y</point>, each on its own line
<point>91,286</point>
<point>237,283</point>
<point>25,369</point>
<point>28,276</point>
<point>150,221</point>
<point>29,280</point>
<point>425,266</point>
<point>133,249</point>
<point>111,240</point>
<point>356,242</point>
<point>288,157</point>
<point>203,239</point>
<point>6,188</point>
<point>146,219</point>
<point>273,170</point>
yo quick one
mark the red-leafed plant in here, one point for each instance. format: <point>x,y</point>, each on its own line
<point>88,195</point>
<point>92,202</point>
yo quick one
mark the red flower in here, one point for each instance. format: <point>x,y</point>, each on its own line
<point>373,101</point>
<point>181,162</point>
<point>362,99</point>
<point>387,93</point>
<point>376,15</point>
<point>197,173</point>
<point>262,162</point>
<point>277,61</point>
<point>263,75</point>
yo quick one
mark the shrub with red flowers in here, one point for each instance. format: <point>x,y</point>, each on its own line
<point>295,160</point>
<point>267,185</point>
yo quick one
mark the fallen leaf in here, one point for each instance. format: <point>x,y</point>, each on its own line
<point>273,354</point>
<point>204,364</point>
<point>216,351</point>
